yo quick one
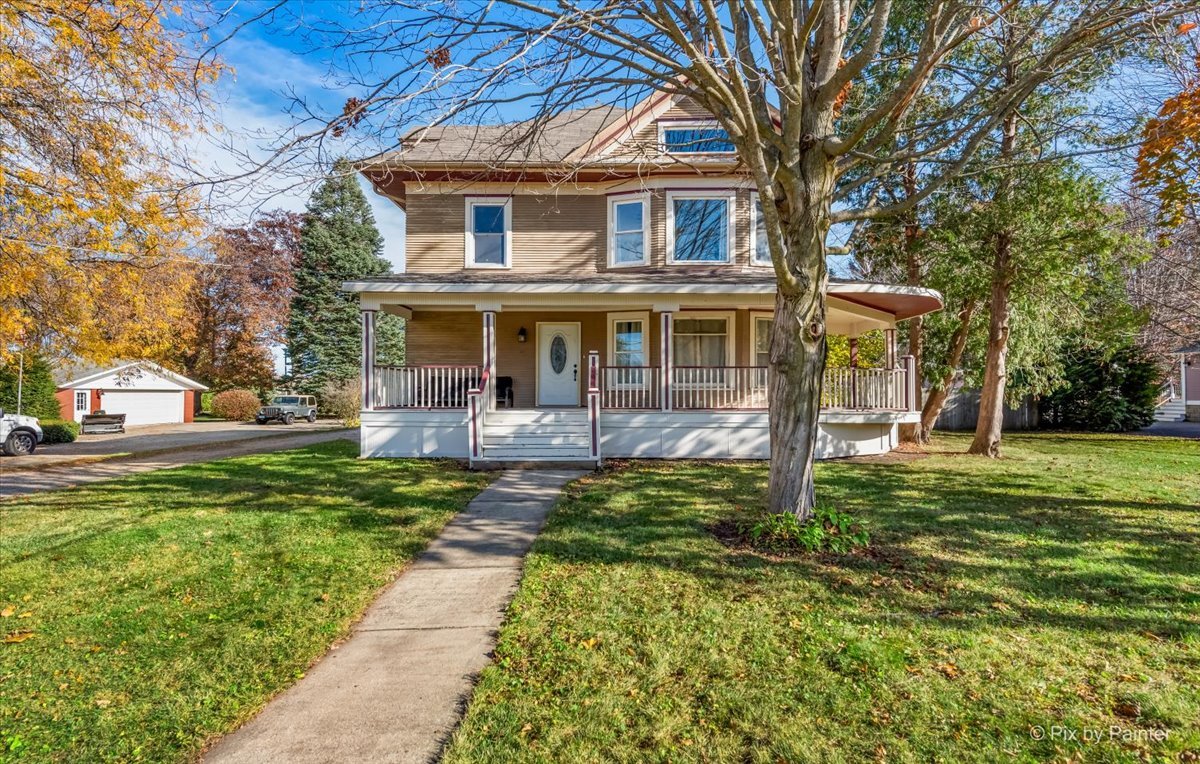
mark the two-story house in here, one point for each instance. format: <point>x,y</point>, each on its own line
<point>598,288</point>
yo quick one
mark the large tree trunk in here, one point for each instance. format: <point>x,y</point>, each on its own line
<point>938,394</point>
<point>797,366</point>
<point>916,325</point>
<point>995,374</point>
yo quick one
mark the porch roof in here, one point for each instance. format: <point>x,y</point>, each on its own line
<point>681,284</point>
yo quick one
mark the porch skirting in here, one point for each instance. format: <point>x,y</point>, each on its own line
<point>650,435</point>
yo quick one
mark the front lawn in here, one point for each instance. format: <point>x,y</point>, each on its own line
<point>143,615</point>
<point>1056,591</point>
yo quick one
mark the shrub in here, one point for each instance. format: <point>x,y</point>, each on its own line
<point>206,401</point>
<point>59,432</point>
<point>343,400</point>
<point>1104,391</point>
<point>239,405</point>
<point>826,531</point>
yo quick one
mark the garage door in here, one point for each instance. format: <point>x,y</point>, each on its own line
<point>144,407</point>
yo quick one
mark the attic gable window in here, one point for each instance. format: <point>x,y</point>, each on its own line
<point>694,138</point>
<point>489,232</point>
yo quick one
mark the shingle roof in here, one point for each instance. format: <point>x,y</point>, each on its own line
<point>542,140</point>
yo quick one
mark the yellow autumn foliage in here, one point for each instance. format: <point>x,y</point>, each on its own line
<point>94,96</point>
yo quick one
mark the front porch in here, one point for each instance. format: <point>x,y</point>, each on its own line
<point>616,378</point>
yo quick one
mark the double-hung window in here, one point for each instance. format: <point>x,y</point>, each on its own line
<point>489,232</point>
<point>702,348</point>
<point>760,253</point>
<point>628,232</point>
<point>762,339</point>
<point>81,400</point>
<point>628,349</point>
<point>694,137</point>
<point>699,226</point>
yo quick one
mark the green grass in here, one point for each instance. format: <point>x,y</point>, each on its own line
<point>1057,586</point>
<point>165,608</point>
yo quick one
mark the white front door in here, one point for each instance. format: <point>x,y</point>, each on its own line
<point>558,365</point>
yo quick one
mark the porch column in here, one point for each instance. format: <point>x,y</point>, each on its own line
<point>1183,379</point>
<point>665,362</point>
<point>854,372</point>
<point>889,347</point>
<point>368,360</point>
<point>489,357</point>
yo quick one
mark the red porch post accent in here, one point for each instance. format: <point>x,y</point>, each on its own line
<point>368,360</point>
<point>593,402</point>
<point>666,364</point>
<point>489,357</point>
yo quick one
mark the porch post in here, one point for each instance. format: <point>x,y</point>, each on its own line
<point>1183,379</point>
<point>666,363</point>
<point>854,372</point>
<point>889,345</point>
<point>368,360</point>
<point>489,357</point>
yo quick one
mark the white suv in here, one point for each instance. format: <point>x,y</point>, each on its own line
<point>19,434</point>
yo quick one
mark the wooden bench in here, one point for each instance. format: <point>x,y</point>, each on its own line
<point>99,423</point>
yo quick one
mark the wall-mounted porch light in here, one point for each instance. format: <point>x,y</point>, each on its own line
<point>522,335</point>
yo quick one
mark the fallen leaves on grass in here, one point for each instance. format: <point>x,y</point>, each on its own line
<point>18,636</point>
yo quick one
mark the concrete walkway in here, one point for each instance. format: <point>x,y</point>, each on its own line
<point>22,482</point>
<point>395,690</point>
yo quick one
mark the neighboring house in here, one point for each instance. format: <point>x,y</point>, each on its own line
<point>1181,398</point>
<point>144,392</point>
<point>609,279</point>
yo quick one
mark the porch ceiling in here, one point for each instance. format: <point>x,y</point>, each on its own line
<point>854,306</point>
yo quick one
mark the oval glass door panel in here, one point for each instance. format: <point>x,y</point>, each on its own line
<point>558,353</point>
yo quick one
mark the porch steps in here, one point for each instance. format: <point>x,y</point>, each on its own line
<point>1171,411</point>
<point>536,435</point>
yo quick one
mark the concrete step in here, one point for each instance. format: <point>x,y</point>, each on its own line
<point>536,416</point>
<point>539,439</point>
<point>518,453</point>
<point>550,428</point>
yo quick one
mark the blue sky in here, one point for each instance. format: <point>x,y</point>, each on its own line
<point>270,65</point>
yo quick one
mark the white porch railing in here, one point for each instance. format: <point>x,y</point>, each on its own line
<point>424,387</point>
<point>744,388</point>
<point>857,388</point>
<point>630,387</point>
<point>719,387</point>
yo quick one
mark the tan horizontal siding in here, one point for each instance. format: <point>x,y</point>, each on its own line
<point>550,234</point>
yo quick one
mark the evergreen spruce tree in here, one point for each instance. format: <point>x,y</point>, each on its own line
<point>37,388</point>
<point>338,242</point>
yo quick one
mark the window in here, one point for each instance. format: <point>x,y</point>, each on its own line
<point>81,400</point>
<point>628,232</point>
<point>694,138</point>
<point>628,347</point>
<point>703,339</point>
<point>489,232</point>
<point>698,229</point>
<point>760,253</point>
<point>762,340</point>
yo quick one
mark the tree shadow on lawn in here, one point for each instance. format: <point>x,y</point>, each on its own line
<point>979,550</point>
<point>378,498</point>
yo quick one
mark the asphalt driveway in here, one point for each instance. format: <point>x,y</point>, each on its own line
<point>140,449</point>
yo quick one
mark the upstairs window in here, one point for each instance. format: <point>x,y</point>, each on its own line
<point>698,227</point>
<point>627,238</point>
<point>489,232</point>
<point>694,138</point>
<point>760,253</point>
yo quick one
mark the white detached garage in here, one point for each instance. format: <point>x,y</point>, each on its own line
<point>144,392</point>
